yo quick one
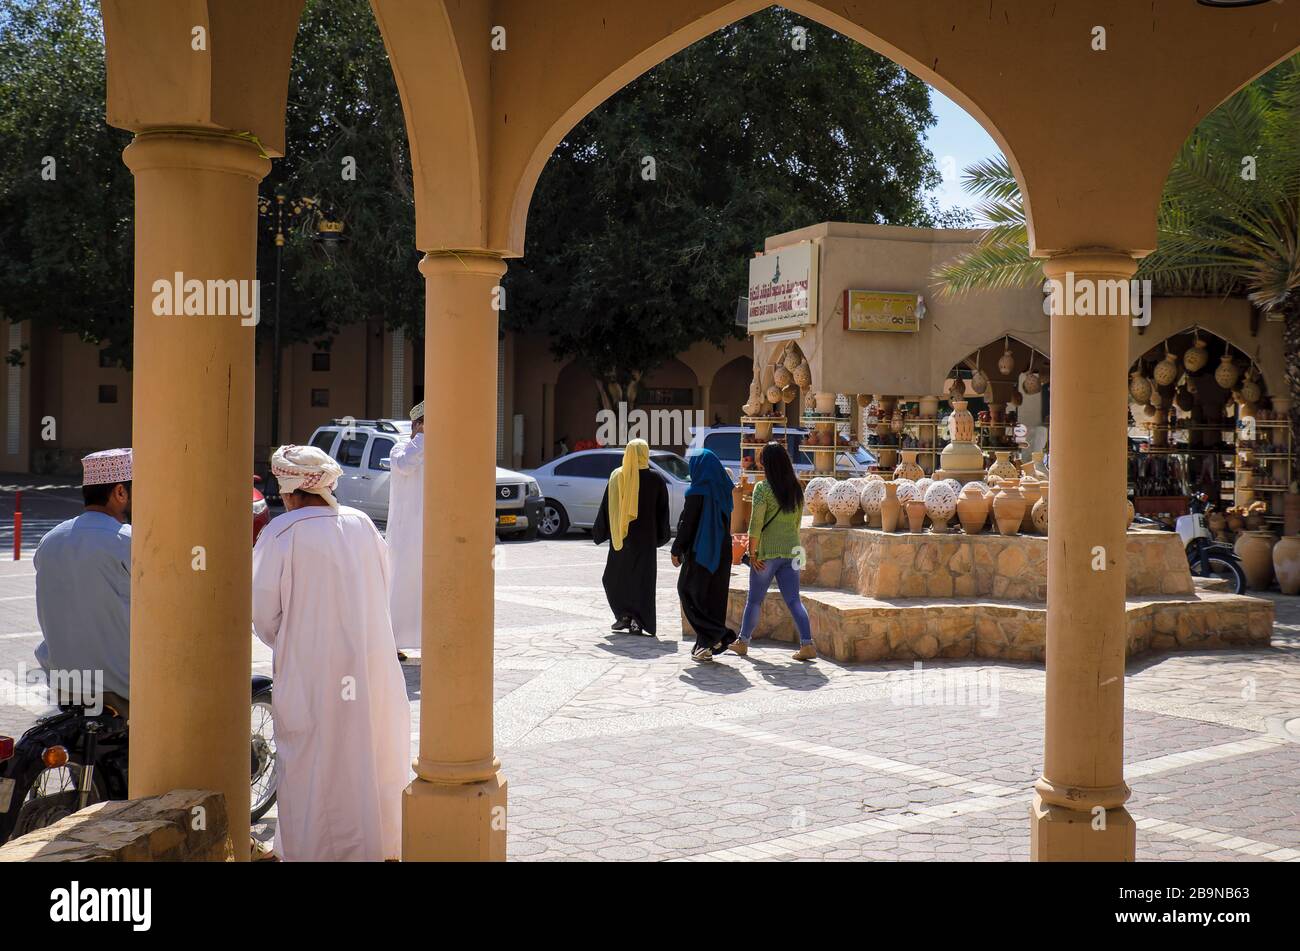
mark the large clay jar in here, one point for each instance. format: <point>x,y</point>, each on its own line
<point>843,502</point>
<point>1030,489</point>
<point>1227,373</point>
<point>1139,387</point>
<point>814,500</point>
<point>890,508</point>
<point>1196,357</point>
<point>929,407</point>
<point>825,404</point>
<point>972,508</point>
<point>870,495</point>
<point>1166,371</point>
<point>909,468</point>
<point>1286,563</point>
<point>1255,550</point>
<point>1039,513</point>
<point>1008,507</point>
<point>915,515</point>
<point>1003,468</point>
<point>940,505</point>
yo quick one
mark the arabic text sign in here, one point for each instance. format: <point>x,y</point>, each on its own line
<point>783,288</point>
<point>880,311</point>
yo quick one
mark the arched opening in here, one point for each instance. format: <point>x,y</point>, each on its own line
<point>1006,384</point>
<point>729,390</point>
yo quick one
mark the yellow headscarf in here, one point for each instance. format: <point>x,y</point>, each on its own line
<point>625,490</point>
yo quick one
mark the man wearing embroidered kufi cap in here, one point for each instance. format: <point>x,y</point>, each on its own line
<point>83,590</point>
<point>320,602</point>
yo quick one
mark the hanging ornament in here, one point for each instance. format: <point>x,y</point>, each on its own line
<point>979,381</point>
<point>1139,387</point>
<point>802,375</point>
<point>1196,356</point>
<point>1006,362</point>
<point>782,377</point>
<point>1033,382</point>
<point>1166,370</point>
<point>1250,391</point>
<point>789,393</point>
<point>792,357</point>
<point>1227,373</point>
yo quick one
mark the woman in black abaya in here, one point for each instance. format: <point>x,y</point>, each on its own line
<point>633,518</point>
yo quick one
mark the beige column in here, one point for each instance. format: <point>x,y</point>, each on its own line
<point>191,569</point>
<point>455,810</point>
<point>1078,810</point>
<point>548,422</point>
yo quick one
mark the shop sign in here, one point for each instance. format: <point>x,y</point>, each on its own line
<point>883,311</point>
<point>783,288</point>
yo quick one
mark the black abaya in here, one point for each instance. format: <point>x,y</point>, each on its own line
<point>630,573</point>
<point>703,593</point>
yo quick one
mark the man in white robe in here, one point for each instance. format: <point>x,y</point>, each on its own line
<point>405,533</point>
<point>342,719</point>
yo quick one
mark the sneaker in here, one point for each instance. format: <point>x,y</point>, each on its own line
<point>621,625</point>
<point>634,627</point>
<point>722,645</point>
<point>805,652</point>
<point>739,647</point>
<point>702,655</point>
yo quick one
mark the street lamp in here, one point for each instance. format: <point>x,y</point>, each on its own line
<point>276,211</point>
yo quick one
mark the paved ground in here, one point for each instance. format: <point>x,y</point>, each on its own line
<point>618,747</point>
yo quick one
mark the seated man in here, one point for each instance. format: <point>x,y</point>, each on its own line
<point>342,720</point>
<point>83,591</point>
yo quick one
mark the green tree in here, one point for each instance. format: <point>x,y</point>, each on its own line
<point>643,221</point>
<point>1229,219</point>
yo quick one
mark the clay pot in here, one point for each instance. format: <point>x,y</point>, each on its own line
<point>1139,387</point>
<point>1031,490</point>
<point>1033,383</point>
<point>1286,563</point>
<point>929,407</point>
<point>1250,391</point>
<point>909,468</point>
<point>802,375</point>
<point>961,424</point>
<point>940,505</point>
<point>814,500</point>
<point>871,493</point>
<point>890,508</point>
<point>1009,507</point>
<point>1166,370</point>
<point>979,382</point>
<point>782,377</point>
<point>825,404</point>
<point>1227,373</point>
<point>1006,362</point>
<point>1196,357</point>
<point>1255,522</point>
<point>789,393</point>
<point>844,503</point>
<point>792,358</point>
<point>1255,549</point>
<point>1131,513</point>
<point>774,395</point>
<point>1034,468</point>
<point>1039,513</point>
<point>973,509</point>
<point>1003,468</point>
<point>915,516</point>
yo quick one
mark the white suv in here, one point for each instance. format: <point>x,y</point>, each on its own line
<point>362,448</point>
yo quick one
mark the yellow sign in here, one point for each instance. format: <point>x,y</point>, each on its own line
<point>881,311</point>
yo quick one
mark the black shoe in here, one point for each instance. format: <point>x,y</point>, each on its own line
<point>621,625</point>
<point>634,627</point>
<point>401,658</point>
<point>726,642</point>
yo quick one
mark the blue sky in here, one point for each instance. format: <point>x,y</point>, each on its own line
<point>957,141</point>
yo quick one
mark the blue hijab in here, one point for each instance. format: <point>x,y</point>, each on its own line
<point>709,479</point>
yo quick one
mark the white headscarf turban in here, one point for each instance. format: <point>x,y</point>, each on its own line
<point>306,468</point>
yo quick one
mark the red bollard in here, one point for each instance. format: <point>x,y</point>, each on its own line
<point>18,526</point>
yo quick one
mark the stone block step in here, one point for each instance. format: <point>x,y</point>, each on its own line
<point>853,627</point>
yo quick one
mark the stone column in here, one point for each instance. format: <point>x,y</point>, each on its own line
<point>548,422</point>
<point>1078,810</point>
<point>191,569</point>
<point>455,810</point>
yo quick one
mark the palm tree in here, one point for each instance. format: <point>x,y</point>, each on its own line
<point>1229,220</point>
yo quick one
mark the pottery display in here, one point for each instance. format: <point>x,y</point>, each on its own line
<point>1039,512</point>
<point>1196,357</point>
<point>802,375</point>
<point>1227,373</point>
<point>1006,362</point>
<point>915,515</point>
<point>782,377</point>
<point>909,468</point>
<point>1034,467</point>
<point>1286,563</point>
<point>1031,489</point>
<point>973,508</point>
<point>891,510</point>
<point>907,491</point>
<point>961,456</point>
<point>1139,387</point>
<point>844,503</point>
<point>1166,371</point>
<point>1255,551</point>
<point>956,486</point>
<point>793,358</point>
<point>940,505</point>
<point>869,497</point>
<point>814,499</point>
<point>922,485</point>
<point>1008,507</point>
<point>1003,468</point>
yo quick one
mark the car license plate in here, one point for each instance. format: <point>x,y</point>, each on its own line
<point>507,519</point>
<point>6,793</point>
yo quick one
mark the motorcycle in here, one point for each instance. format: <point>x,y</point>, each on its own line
<point>72,758</point>
<point>1206,557</point>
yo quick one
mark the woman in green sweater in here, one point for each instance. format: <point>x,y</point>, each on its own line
<point>773,548</point>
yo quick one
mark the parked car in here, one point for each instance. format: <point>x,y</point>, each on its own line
<point>724,442</point>
<point>363,447</point>
<point>261,511</point>
<point>573,485</point>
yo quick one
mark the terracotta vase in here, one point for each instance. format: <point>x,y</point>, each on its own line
<point>1286,563</point>
<point>1166,371</point>
<point>961,424</point>
<point>941,505</point>
<point>929,407</point>
<point>1031,490</point>
<point>915,516</point>
<point>1227,373</point>
<point>972,509</point>
<point>844,503</point>
<point>1009,507</point>
<point>1039,512</point>
<point>825,404</point>
<point>1003,468</point>
<point>814,500</point>
<point>1255,550</point>
<point>1139,387</point>
<point>909,468</point>
<point>890,508</point>
<point>1034,468</point>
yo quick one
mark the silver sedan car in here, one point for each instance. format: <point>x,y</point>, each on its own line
<point>573,485</point>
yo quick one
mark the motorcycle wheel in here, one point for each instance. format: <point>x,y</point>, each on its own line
<point>1222,568</point>
<point>265,777</point>
<point>53,795</point>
